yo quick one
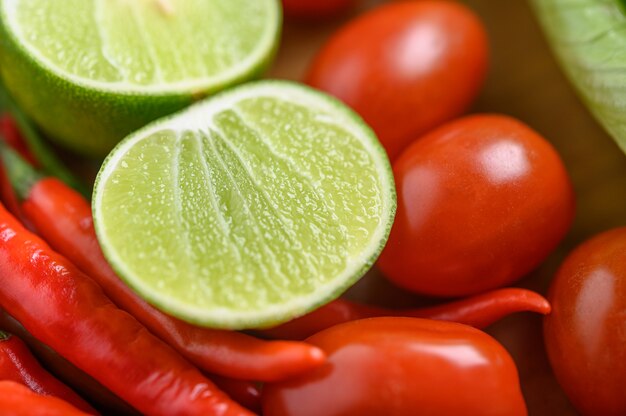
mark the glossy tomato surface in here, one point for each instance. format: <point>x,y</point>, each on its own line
<point>317,8</point>
<point>405,67</point>
<point>586,333</point>
<point>481,202</point>
<point>402,367</point>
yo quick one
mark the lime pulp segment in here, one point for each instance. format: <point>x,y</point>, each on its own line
<point>145,45</point>
<point>247,209</point>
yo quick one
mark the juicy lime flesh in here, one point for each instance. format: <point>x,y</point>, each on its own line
<point>268,203</point>
<point>134,44</point>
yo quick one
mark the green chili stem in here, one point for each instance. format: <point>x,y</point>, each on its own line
<point>21,174</point>
<point>38,147</point>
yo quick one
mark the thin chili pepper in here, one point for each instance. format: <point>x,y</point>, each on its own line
<point>38,146</point>
<point>63,218</point>
<point>246,393</point>
<point>83,383</point>
<point>7,194</point>
<point>18,364</point>
<point>10,131</point>
<point>68,311</point>
<point>478,311</point>
<point>10,134</point>
<point>17,400</point>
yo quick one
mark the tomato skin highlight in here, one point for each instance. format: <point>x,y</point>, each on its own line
<point>482,201</point>
<point>400,367</point>
<point>585,335</point>
<point>317,9</point>
<point>405,67</point>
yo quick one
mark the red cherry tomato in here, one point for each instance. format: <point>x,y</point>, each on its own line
<point>401,367</point>
<point>586,333</point>
<point>317,8</point>
<point>405,67</point>
<point>481,202</point>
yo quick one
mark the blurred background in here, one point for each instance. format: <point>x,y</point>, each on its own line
<point>525,82</point>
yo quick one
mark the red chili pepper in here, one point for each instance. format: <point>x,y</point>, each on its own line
<point>82,382</point>
<point>68,311</point>
<point>18,400</point>
<point>30,139</point>
<point>402,367</point>
<point>63,218</point>
<point>478,311</point>
<point>11,134</point>
<point>246,393</point>
<point>7,194</point>
<point>18,364</point>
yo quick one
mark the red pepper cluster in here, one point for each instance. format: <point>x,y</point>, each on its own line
<point>482,201</point>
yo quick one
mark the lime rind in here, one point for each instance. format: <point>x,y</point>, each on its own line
<point>196,118</point>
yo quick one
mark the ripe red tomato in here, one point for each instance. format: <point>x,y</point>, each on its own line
<point>405,67</point>
<point>481,202</point>
<point>316,8</point>
<point>586,333</point>
<point>400,367</point>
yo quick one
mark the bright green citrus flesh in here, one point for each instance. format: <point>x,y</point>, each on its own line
<point>248,209</point>
<point>143,45</point>
<point>127,61</point>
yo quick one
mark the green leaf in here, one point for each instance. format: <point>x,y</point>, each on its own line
<point>589,39</point>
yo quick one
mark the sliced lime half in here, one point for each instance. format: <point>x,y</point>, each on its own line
<point>91,71</point>
<point>248,209</point>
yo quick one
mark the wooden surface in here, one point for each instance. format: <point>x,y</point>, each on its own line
<point>524,82</point>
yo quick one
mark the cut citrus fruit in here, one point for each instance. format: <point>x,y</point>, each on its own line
<point>91,71</point>
<point>248,209</point>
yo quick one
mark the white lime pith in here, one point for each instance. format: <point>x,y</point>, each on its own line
<point>248,209</point>
<point>91,71</point>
